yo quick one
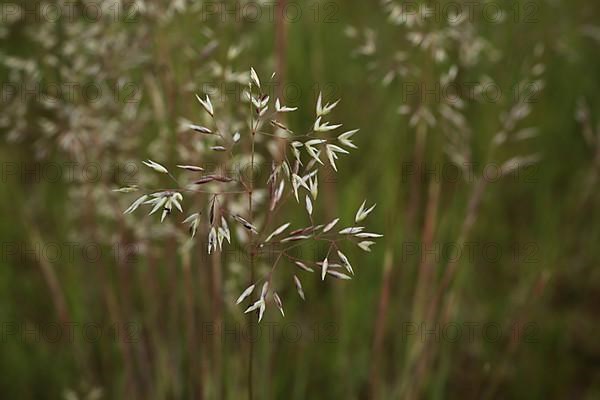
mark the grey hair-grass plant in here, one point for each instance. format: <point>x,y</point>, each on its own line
<point>295,162</point>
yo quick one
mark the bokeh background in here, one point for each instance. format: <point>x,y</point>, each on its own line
<point>482,287</point>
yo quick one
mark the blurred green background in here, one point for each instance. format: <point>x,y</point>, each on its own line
<point>528,292</point>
